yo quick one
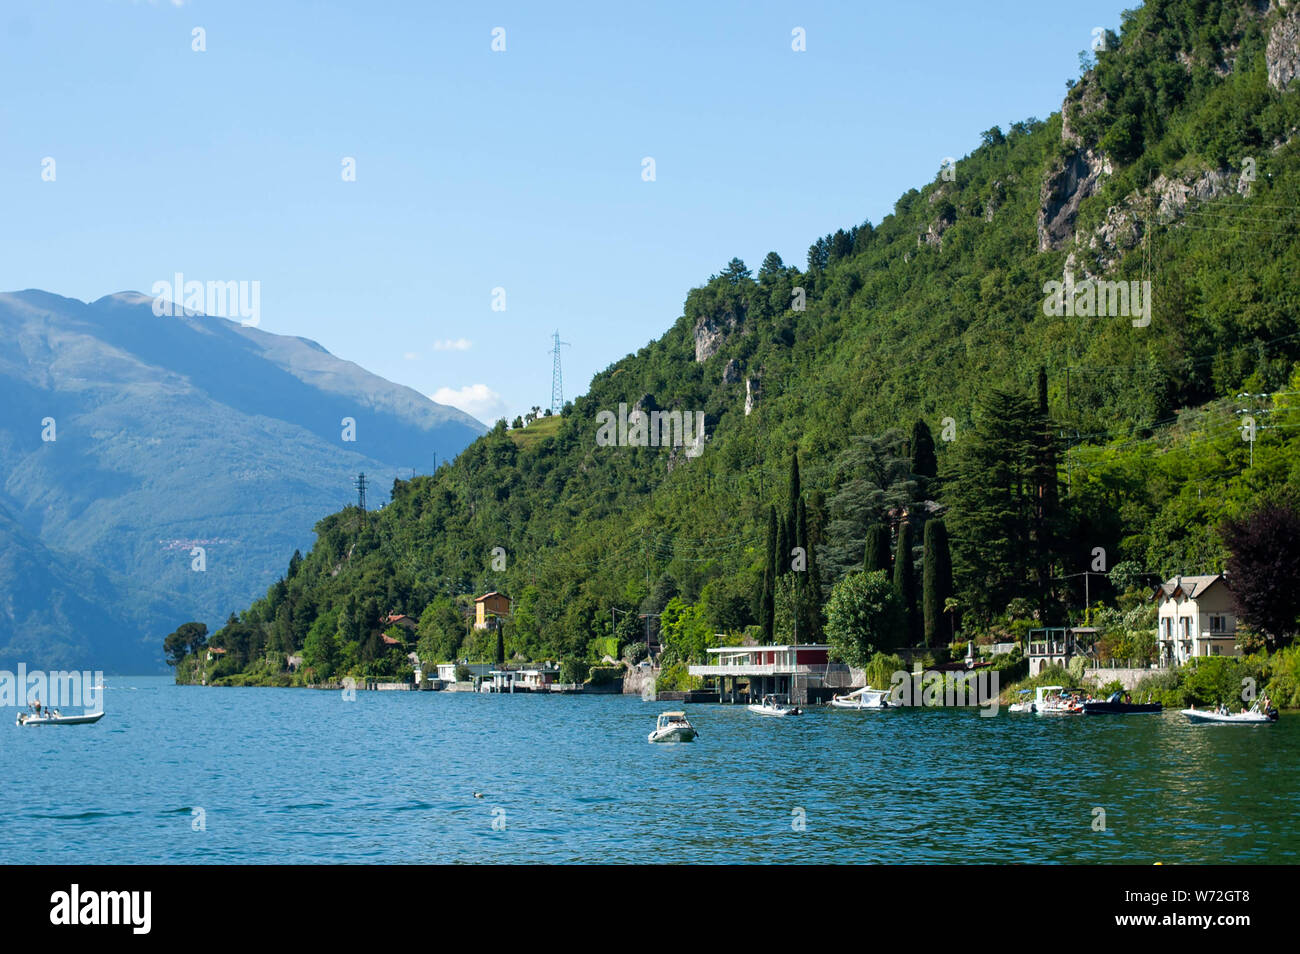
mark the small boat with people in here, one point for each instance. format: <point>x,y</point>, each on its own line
<point>673,727</point>
<point>1261,713</point>
<point>770,707</point>
<point>44,715</point>
<point>864,698</point>
<point>1119,703</point>
<point>1050,700</point>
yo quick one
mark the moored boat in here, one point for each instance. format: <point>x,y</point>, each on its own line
<point>864,698</point>
<point>1256,715</point>
<point>673,727</point>
<point>1056,700</point>
<point>1023,705</point>
<point>770,707</point>
<point>1119,704</point>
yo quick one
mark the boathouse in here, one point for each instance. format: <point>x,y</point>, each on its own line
<point>523,680</point>
<point>1057,645</point>
<point>798,674</point>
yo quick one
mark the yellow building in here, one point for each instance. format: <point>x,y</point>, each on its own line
<point>490,607</point>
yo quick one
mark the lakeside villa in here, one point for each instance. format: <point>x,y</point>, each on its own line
<point>797,674</point>
<point>1196,618</point>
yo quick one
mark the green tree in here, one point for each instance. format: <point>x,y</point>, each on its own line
<point>905,582</point>
<point>936,584</point>
<point>876,550</point>
<point>992,499</point>
<point>767,605</point>
<point>925,465</point>
<point>188,638</point>
<point>864,616</point>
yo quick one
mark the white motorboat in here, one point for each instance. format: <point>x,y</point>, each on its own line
<point>55,717</point>
<point>673,727</point>
<point>1254,716</point>
<point>1024,705</point>
<point>1057,700</point>
<point>864,698</point>
<point>770,707</point>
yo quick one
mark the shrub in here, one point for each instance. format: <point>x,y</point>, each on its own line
<point>676,678</point>
<point>574,670</point>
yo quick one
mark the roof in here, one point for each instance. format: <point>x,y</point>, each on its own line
<point>389,640</point>
<point>750,649</point>
<point>493,593</point>
<point>1190,586</point>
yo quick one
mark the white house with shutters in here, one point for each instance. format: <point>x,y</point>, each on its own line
<point>1196,618</point>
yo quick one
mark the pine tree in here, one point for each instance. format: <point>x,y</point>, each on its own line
<point>936,584</point>
<point>876,556</point>
<point>1045,535</point>
<point>905,581</point>
<point>990,491</point>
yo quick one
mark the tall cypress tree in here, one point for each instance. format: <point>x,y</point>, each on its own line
<point>795,495</point>
<point>905,581</point>
<point>767,602</point>
<point>925,465</point>
<point>784,535</point>
<point>936,584</point>
<point>810,591</point>
<point>876,556</point>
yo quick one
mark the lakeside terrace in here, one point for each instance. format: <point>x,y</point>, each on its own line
<point>798,674</point>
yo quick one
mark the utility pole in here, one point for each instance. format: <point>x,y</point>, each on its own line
<point>1248,423</point>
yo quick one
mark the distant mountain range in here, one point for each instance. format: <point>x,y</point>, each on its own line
<point>127,440</point>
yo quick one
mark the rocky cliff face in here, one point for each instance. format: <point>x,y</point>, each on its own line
<point>711,331</point>
<point>1078,178</point>
<point>1283,51</point>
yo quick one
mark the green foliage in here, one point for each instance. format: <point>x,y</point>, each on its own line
<point>880,669</point>
<point>936,586</point>
<point>1283,687</point>
<point>685,630</point>
<point>676,678</point>
<point>574,670</point>
<point>864,617</point>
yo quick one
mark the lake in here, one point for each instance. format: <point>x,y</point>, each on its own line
<point>191,775</point>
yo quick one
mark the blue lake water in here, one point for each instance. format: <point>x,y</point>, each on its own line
<point>293,775</point>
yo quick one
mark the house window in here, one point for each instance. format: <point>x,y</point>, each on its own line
<point>1218,624</point>
<point>1187,626</point>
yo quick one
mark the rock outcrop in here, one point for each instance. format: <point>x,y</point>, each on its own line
<point>711,331</point>
<point>1077,179</point>
<point>1282,55</point>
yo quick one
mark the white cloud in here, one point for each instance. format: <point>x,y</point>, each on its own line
<point>477,400</point>
<point>450,344</point>
<point>411,356</point>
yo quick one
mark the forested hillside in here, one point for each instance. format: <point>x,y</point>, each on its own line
<point>1173,162</point>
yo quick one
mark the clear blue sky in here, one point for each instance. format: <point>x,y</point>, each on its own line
<point>478,169</point>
